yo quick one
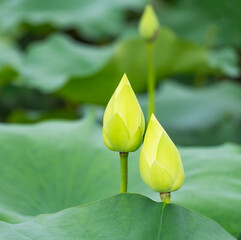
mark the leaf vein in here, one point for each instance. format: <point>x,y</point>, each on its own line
<point>161,220</point>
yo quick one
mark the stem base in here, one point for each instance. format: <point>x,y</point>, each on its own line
<point>166,197</point>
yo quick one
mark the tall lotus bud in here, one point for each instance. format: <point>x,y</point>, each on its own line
<point>123,124</point>
<point>149,24</point>
<point>160,163</point>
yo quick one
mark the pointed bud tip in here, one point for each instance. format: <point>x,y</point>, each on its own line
<point>149,9</point>
<point>125,78</point>
<point>154,119</point>
<point>124,81</point>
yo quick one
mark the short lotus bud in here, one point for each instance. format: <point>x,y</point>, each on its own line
<point>160,163</point>
<point>123,123</point>
<point>149,24</point>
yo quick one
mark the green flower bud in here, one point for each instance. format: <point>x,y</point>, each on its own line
<point>160,163</point>
<point>123,123</point>
<point>149,24</point>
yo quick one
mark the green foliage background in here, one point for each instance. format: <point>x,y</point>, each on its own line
<point>60,62</point>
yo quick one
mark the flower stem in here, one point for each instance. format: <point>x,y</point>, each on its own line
<point>150,79</point>
<point>166,197</point>
<point>124,171</point>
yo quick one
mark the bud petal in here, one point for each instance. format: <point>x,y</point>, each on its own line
<point>118,134</point>
<point>149,24</point>
<point>106,140</point>
<point>123,124</point>
<point>160,178</point>
<point>135,141</point>
<point>160,163</point>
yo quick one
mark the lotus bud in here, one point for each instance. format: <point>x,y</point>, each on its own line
<point>149,24</point>
<point>160,163</point>
<point>123,123</point>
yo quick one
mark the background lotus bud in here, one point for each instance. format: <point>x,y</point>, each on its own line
<point>149,24</point>
<point>160,163</point>
<point>123,124</point>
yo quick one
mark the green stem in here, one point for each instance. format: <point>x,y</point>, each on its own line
<point>150,80</point>
<point>124,171</point>
<point>166,197</point>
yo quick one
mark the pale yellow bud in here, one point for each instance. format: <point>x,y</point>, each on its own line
<point>123,123</point>
<point>160,163</point>
<point>149,24</point>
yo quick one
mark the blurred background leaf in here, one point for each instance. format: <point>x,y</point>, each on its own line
<point>76,52</point>
<point>90,74</point>
<point>201,116</point>
<point>10,59</point>
<point>92,18</point>
<point>215,22</point>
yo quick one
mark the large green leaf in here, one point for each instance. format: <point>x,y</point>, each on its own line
<point>124,216</point>
<point>211,173</point>
<point>92,17</point>
<point>202,116</point>
<point>51,166</point>
<point>89,74</point>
